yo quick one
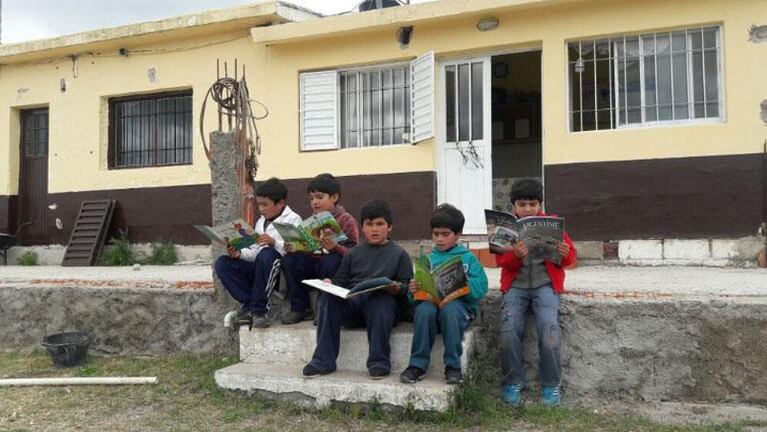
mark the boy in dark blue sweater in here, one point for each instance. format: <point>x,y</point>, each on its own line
<point>378,311</point>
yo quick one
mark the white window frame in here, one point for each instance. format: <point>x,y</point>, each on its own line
<point>616,107</point>
<point>424,110</point>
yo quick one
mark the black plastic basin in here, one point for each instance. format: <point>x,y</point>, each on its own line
<point>67,349</point>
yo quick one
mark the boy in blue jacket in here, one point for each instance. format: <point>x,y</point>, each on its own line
<point>453,319</point>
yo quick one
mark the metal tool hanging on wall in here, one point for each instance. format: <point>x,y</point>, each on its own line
<point>232,96</point>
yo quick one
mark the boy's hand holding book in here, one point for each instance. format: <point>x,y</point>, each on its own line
<point>520,250</point>
<point>563,249</point>
<point>231,251</point>
<point>328,243</point>
<point>393,289</point>
<point>288,247</point>
<point>266,240</point>
<point>414,286</point>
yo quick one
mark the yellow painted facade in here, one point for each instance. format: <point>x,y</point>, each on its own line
<point>547,26</point>
<point>276,55</point>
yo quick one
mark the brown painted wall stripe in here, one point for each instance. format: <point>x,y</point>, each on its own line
<point>149,214</point>
<point>8,212</point>
<point>168,213</point>
<point>700,197</point>
<point>412,197</point>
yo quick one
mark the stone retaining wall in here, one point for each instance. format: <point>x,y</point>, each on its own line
<point>626,349</point>
<point>132,321</point>
<point>650,350</point>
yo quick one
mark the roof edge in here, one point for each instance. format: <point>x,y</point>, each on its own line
<point>389,17</point>
<point>270,10</point>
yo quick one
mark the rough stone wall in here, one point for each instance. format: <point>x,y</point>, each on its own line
<point>654,351</point>
<point>120,321</point>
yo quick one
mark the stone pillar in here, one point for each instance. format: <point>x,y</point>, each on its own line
<point>225,202</point>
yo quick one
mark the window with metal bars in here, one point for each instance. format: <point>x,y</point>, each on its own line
<point>375,106</point>
<point>643,80</point>
<point>150,130</point>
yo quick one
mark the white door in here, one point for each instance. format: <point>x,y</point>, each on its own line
<point>464,144</point>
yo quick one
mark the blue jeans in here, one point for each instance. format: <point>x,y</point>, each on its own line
<point>300,266</point>
<point>545,303</point>
<point>378,311</point>
<point>250,283</point>
<point>452,320</point>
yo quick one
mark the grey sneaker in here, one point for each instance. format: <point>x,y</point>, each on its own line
<point>261,320</point>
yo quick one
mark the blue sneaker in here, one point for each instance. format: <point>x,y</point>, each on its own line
<point>512,395</point>
<point>551,396</point>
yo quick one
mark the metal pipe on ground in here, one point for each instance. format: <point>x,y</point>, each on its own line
<point>19,382</point>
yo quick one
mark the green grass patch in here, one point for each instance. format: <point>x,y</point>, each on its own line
<point>121,253</point>
<point>187,398</point>
<point>162,253</point>
<point>28,258</point>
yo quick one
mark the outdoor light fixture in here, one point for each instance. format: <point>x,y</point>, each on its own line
<point>403,36</point>
<point>579,66</point>
<point>487,24</point>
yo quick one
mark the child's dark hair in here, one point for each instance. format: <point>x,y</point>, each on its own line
<point>376,209</point>
<point>447,216</point>
<point>527,189</point>
<point>324,183</point>
<point>273,189</point>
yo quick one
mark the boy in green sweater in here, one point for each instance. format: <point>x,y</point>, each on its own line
<point>452,319</point>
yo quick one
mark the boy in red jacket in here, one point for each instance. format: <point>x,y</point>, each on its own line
<point>527,281</point>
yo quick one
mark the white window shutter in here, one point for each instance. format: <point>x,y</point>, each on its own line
<point>422,98</point>
<point>319,110</point>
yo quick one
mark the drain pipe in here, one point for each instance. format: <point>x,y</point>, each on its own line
<point>761,257</point>
<point>76,381</point>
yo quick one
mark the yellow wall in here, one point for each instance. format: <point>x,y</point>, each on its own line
<point>549,28</point>
<point>78,125</point>
<point>78,117</point>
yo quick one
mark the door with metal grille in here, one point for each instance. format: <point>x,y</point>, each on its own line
<point>33,176</point>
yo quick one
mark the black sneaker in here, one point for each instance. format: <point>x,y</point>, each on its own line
<point>261,320</point>
<point>377,373</point>
<point>295,317</point>
<point>312,372</point>
<point>453,375</point>
<point>412,375</point>
<point>244,319</point>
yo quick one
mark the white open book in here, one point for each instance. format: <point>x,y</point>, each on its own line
<point>363,287</point>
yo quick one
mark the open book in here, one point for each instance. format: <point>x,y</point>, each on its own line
<point>541,234</point>
<point>238,234</point>
<point>361,288</point>
<point>307,236</point>
<point>443,283</point>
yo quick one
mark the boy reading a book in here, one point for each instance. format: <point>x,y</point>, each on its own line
<point>324,194</point>
<point>454,317</point>
<point>378,310</point>
<point>250,274</point>
<point>531,282</point>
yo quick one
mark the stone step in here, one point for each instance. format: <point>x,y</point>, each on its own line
<point>294,345</point>
<point>284,381</point>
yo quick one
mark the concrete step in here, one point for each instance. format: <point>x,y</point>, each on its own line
<point>294,345</point>
<point>284,381</point>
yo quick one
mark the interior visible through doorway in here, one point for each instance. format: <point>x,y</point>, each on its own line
<point>516,122</point>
